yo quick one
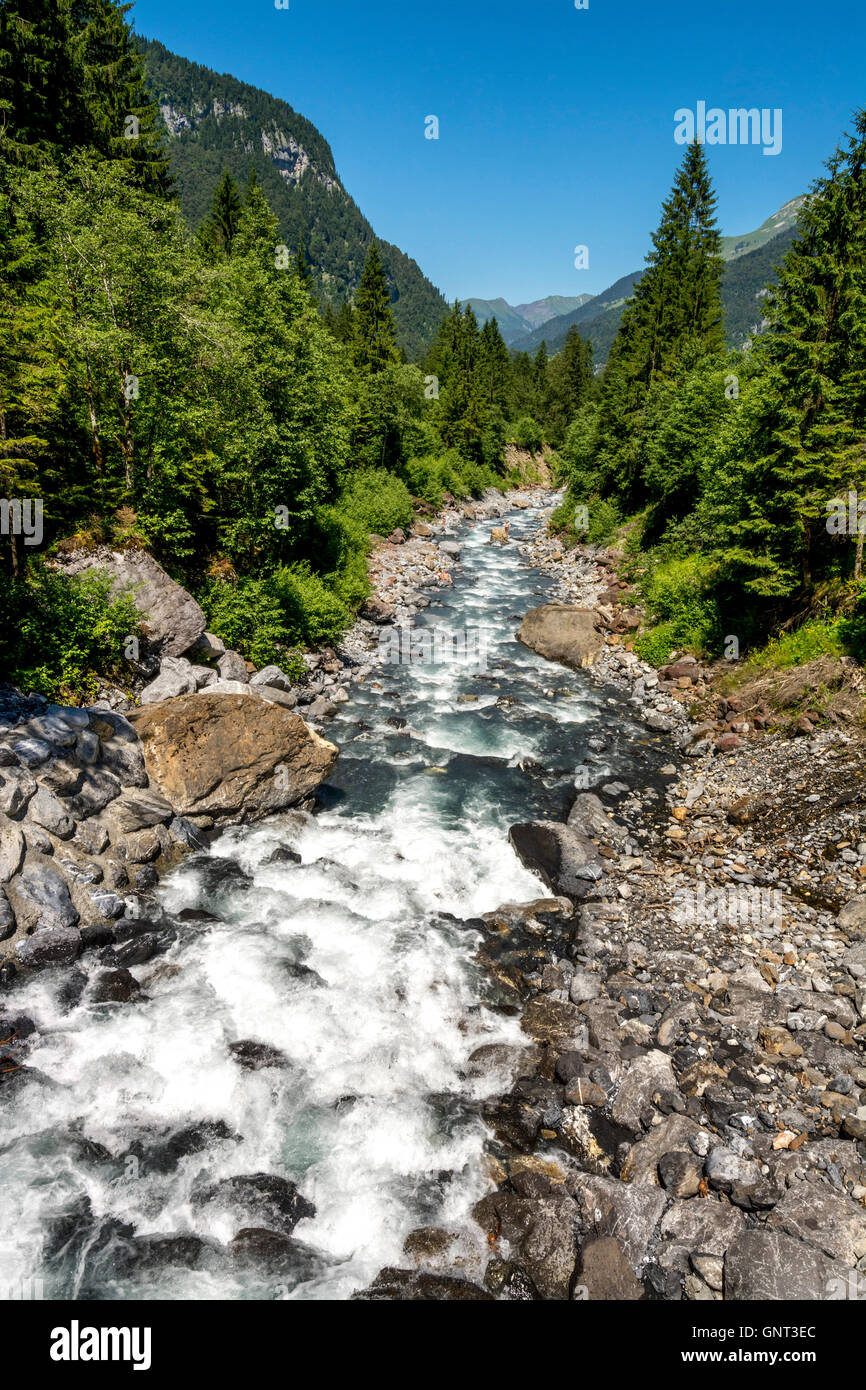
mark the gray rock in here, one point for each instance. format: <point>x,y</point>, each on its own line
<point>680,1173</point>
<point>613,1208</point>
<point>271,675</point>
<point>42,899</point>
<point>726,1169</point>
<point>566,862</point>
<point>7,917</point>
<point>135,810</point>
<point>110,724</point>
<point>772,1266</point>
<point>823,1217</point>
<point>707,1226</point>
<point>168,685</point>
<point>33,752</point>
<point>208,646</point>
<point>584,987</point>
<point>645,1076</point>
<point>92,836</point>
<point>451,549</point>
<point>47,811</point>
<point>98,788</point>
<point>16,789</point>
<point>172,620</point>
<point>126,761</point>
<point>588,817</point>
<point>11,851</point>
<point>63,777</point>
<point>107,904</point>
<point>88,747</point>
<point>852,917</point>
<point>232,667</point>
<point>49,946</point>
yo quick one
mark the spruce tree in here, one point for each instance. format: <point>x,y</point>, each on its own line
<point>375,336</point>
<point>225,213</point>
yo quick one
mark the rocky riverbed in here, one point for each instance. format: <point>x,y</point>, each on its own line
<point>681,1017</point>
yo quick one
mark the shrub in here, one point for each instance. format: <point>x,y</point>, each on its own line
<point>528,434</point>
<point>312,611</point>
<point>379,500</point>
<point>60,634</point>
<point>249,618</point>
<point>852,629</point>
<point>806,643</point>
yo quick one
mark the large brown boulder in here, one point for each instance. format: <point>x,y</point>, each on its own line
<point>560,632</point>
<point>233,757</point>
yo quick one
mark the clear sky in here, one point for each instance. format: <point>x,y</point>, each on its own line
<point>556,124</point>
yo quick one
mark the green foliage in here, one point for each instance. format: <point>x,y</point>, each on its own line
<point>59,635</point>
<point>313,612</point>
<point>528,434</point>
<point>680,597</point>
<point>852,628</point>
<point>817,637</point>
<point>378,500</point>
<point>249,618</point>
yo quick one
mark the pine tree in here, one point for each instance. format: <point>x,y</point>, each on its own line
<point>225,213</point>
<point>675,317</point>
<point>375,336</point>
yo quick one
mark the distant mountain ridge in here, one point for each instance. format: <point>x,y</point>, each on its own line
<point>213,122</point>
<point>517,319</point>
<point>751,261</point>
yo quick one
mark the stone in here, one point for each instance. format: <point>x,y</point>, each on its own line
<point>49,946</point>
<point>11,851</point>
<point>114,987</point>
<point>642,1162</point>
<point>171,618</point>
<point>645,1076</point>
<point>726,1169</point>
<point>823,1217</point>
<point>33,752</point>
<point>98,788</point>
<point>613,1208</point>
<point>540,1231</point>
<point>232,667</point>
<point>771,1266</point>
<point>261,1197</point>
<point>680,1173</point>
<point>566,862</point>
<point>552,1020</point>
<point>125,760</point>
<point>47,811</point>
<point>136,809</point>
<point>852,917</point>
<point>584,987</point>
<point>703,1225</point>
<point>375,610</point>
<point>91,836</point>
<point>167,685</point>
<point>272,676</point>
<point>417,1286</point>
<point>16,790</point>
<point>230,755</point>
<point>589,818</point>
<point>562,632</point>
<point>208,646</point>
<point>41,899</point>
<point>606,1274</point>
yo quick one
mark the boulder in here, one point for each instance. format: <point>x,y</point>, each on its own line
<point>232,667</point>
<point>565,861</point>
<point>375,610</point>
<point>232,756</point>
<point>41,899</point>
<point>852,917</point>
<point>11,851</point>
<point>167,685</point>
<point>271,676</point>
<point>561,632</point>
<point>605,1273</point>
<point>172,620</point>
<point>49,946</point>
<point>769,1265</point>
<point>830,1220</point>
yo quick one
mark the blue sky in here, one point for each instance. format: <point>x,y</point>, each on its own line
<point>556,124</point>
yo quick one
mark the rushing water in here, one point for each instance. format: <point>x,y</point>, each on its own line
<point>347,956</point>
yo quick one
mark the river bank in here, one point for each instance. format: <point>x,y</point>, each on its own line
<point>368,1023</point>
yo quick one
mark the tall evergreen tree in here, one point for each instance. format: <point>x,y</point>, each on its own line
<point>375,337</point>
<point>225,213</point>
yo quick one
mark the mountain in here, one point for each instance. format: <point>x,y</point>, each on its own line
<point>515,320</point>
<point>213,122</point>
<point>751,261</point>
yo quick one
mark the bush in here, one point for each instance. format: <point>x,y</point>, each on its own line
<point>249,619</point>
<point>379,500</point>
<point>658,645</point>
<point>313,612</point>
<point>679,592</point>
<point>528,434</point>
<point>59,635</point>
<point>806,643</point>
<point>852,629</point>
